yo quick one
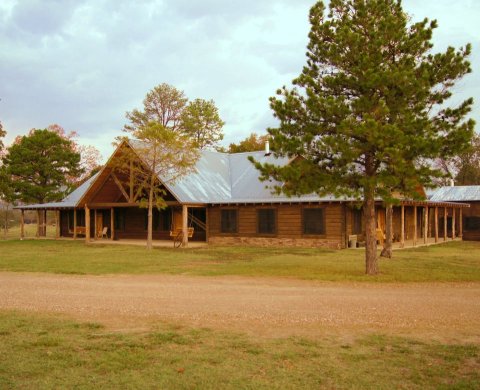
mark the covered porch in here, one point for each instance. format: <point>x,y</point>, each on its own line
<point>421,223</point>
<point>122,223</point>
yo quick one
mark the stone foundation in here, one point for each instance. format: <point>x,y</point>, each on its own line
<point>273,241</point>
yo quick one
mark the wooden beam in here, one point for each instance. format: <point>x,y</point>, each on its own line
<point>414,225</point>
<point>445,226</point>
<point>453,223</point>
<point>460,225</point>
<point>131,181</point>
<point>184,226</point>
<point>38,224</point>
<point>207,231</point>
<point>87,224</point>
<point>140,189</point>
<point>425,224</point>
<point>22,224</point>
<point>436,224</point>
<point>57,224</point>
<point>108,205</point>
<point>112,223</point>
<point>75,224</point>
<point>95,227</point>
<point>119,185</point>
<point>402,228</point>
<point>45,223</point>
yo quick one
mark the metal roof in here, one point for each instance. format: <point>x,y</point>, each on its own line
<point>222,178</point>
<point>456,194</point>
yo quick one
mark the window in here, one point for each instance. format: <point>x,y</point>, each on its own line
<point>356,221</point>
<point>472,223</point>
<point>313,221</point>
<point>229,221</point>
<point>266,221</point>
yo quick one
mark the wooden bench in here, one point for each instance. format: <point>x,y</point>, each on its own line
<point>81,231</point>
<point>176,232</point>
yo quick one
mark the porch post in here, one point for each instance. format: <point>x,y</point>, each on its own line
<point>425,223</point>
<point>38,223</point>
<point>95,230</point>
<point>131,180</point>
<point>22,224</point>
<point>436,224</point>
<point>184,226</point>
<point>44,228</point>
<point>112,223</point>
<point>402,227</point>
<point>414,225</point>
<point>445,216</point>
<point>453,223</point>
<point>460,224</point>
<point>75,224</point>
<point>57,224</point>
<point>87,224</point>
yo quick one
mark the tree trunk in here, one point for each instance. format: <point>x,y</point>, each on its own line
<point>371,267</point>
<point>387,247</point>
<point>150,215</point>
<point>5,226</point>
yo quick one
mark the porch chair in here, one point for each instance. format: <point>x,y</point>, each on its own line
<point>104,232</point>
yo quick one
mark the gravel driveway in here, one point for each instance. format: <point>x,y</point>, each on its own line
<point>266,307</point>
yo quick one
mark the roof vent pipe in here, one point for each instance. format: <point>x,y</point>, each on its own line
<point>452,183</point>
<point>267,148</point>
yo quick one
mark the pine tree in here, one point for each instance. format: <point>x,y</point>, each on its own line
<point>37,166</point>
<point>369,111</point>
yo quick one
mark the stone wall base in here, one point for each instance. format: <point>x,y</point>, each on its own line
<point>273,241</point>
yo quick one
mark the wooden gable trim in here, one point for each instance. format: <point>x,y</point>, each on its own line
<point>119,185</point>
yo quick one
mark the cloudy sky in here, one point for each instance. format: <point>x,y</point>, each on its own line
<point>84,63</point>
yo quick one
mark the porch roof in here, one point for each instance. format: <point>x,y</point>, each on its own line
<point>456,194</point>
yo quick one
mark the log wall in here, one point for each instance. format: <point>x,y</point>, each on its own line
<point>289,226</point>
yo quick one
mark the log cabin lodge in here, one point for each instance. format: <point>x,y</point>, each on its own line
<point>223,202</point>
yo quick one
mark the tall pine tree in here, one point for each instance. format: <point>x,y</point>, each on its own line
<point>369,111</point>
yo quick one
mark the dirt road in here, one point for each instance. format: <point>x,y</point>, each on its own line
<point>268,307</point>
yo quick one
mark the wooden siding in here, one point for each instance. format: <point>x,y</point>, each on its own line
<point>472,211</point>
<point>289,221</point>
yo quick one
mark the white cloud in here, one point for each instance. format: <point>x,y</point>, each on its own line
<point>83,64</point>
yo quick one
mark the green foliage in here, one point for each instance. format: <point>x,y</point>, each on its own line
<point>201,122</point>
<point>369,111</point>
<point>252,143</point>
<point>158,152</point>
<point>163,104</point>
<point>373,107</point>
<point>37,166</point>
<point>2,134</point>
<point>467,164</point>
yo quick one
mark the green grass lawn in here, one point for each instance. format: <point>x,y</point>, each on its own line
<point>455,261</point>
<point>42,352</point>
